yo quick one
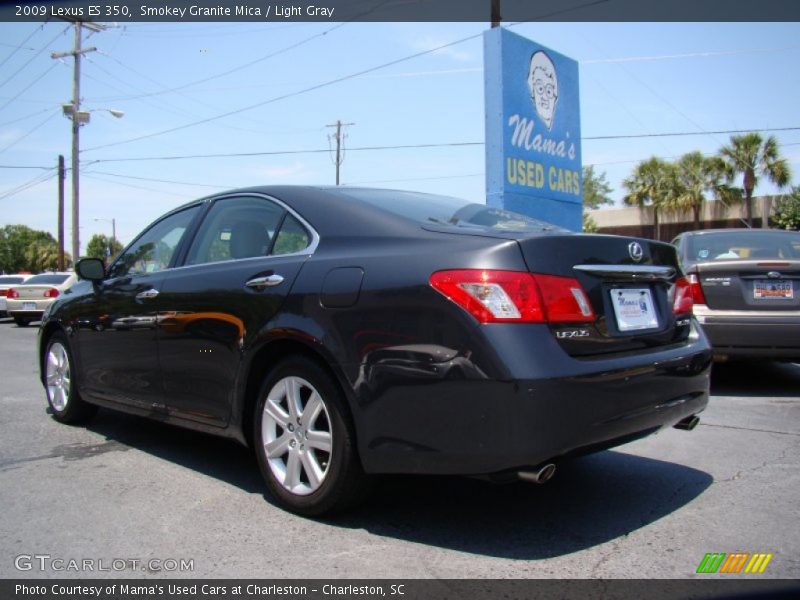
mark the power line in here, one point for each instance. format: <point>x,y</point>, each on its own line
<point>238,68</point>
<point>39,179</point>
<point>23,167</point>
<point>206,185</point>
<point>29,86</point>
<point>14,74</point>
<point>130,185</point>
<point>286,96</point>
<point>21,44</point>
<point>420,146</point>
<point>688,133</point>
<point>29,132</point>
<point>36,114</point>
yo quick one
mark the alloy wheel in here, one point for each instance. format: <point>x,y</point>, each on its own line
<point>58,376</point>
<point>297,435</point>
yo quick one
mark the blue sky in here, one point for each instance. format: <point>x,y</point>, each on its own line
<point>636,78</point>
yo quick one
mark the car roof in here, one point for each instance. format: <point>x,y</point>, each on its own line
<point>330,210</point>
<point>739,230</point>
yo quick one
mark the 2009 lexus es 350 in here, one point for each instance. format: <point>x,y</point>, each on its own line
<point>345,332</point>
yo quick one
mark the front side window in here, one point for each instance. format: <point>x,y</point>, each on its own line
<point>154,250</point>
<point>246,227</point>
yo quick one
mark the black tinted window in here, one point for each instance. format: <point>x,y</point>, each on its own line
<point>737,245</point>
<point>47,279</point>
<point>445,210</point>
<point>155,248</point>
<point>292,237</point>
<point>241,227</point>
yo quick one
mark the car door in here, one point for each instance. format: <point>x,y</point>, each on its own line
<point>234,279</point>
<point>117,335</point>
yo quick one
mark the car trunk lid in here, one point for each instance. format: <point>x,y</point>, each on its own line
<point>762,285</point>
<point>630,283</point>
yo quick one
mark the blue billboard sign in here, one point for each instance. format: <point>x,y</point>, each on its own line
<point>533,129</point>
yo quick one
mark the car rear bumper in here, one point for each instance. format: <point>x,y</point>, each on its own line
<point>754,334</point>
<point>474,427</point>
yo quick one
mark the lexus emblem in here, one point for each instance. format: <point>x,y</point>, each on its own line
<point>636,251</point>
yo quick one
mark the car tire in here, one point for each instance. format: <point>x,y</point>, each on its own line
<point>65,402</point>
<point>21,322</point>
<point>305,441</point>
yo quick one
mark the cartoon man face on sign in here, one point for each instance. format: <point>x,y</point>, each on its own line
<point>543,83</point>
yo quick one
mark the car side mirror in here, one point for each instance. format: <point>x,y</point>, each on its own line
<point>91,269</point>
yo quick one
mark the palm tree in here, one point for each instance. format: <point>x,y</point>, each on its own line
<point>752,156</point>
<point>652,184</point>
<point>697,175</point>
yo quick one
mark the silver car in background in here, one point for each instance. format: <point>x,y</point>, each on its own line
<point>6,283</point>
<point>746,289</point>
<point>27,302</point>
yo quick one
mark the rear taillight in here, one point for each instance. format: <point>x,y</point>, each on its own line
<point>683,301</point>
<point>3,293</point>
<point>697,289</point>
<point>12,293</point>
<point>51,293</point>
<point>493,296</point>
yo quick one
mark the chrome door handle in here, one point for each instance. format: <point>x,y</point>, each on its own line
<point>260,283</point>
<point>147,294</point>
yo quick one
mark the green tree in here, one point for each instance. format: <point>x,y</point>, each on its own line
<point>589,224</point>
<point>17,249</point>
<point>752,156</point>
<point>596,189</point>
<point>787,212</point>
<point>653,183</point>
<point>103,247</point>
<point>697,177</point>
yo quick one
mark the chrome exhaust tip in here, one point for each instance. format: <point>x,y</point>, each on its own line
<point>541,475</point>
<point>688,423</point>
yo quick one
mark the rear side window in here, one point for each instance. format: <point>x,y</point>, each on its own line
<point>448,211</point>
<point>47,279</point>
<point>246,227</point>
<point>240,227</point>
<point>743,246</point>
<point>292,237</point>
<point>8,280</point>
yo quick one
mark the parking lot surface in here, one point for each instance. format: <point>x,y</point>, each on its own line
<point>158,498</point>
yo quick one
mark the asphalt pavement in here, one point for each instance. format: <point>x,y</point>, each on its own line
<point>137,498</point>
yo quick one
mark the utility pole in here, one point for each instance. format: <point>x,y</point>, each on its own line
<point>339,144</point>
<point>496,18</point>
<point>62,175</point>
<point>78,117</point>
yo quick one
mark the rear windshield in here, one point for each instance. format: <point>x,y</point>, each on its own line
<point>47,279</point>
<point>7,280</point>
<point>743,246</point>
<point>445,210</point>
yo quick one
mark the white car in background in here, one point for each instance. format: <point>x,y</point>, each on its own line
<point>28,301</point>
<point>7,282</point>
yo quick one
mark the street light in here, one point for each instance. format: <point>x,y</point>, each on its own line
<point>113,226</point>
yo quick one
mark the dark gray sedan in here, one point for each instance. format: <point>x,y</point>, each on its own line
<point>746,288</point>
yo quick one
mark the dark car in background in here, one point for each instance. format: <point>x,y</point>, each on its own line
<point>346,332</point>
<point>746,290</point>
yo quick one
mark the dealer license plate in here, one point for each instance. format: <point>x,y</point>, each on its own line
<point>29,306</point>
<point>634,309</point>
<point>764,289</point>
